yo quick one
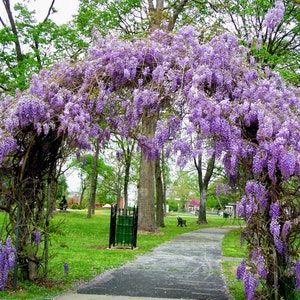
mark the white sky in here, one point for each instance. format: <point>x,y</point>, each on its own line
<point>73,180</point>
<point>65,9</point>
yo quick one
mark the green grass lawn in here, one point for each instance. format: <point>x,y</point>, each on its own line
<point>83,244</point>
<point>231,247</point>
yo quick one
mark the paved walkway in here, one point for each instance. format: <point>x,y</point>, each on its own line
<point>188,267</point>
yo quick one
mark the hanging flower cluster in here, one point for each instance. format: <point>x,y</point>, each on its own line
<point>7,261</point>
<point>274,15</point>
<point>37,237</point>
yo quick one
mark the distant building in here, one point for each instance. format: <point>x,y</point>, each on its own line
<point>73,198</point>
<point>192,205</point>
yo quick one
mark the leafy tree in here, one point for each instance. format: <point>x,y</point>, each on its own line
<point>126,157</point>
<point>105,175</point>
<point>252,21</point>
<point>94,180</point>
<point>138,17</point>
<point>185,187</point>
<point>126,17</point>
<point>173,205</point>
<point>270,27</point>
<point>28,45</point>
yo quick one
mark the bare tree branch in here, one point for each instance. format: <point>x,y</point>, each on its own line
<point>176,14</point>
<point>14,29</point>
<point>49,11</point>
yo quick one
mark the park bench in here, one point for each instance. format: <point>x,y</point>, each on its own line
<point>63,204</point>
<point>181,222</point>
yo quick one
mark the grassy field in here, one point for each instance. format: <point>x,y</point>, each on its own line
<point>83,244</point>
<point>231,247</point>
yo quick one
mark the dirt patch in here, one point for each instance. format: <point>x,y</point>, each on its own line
<point>99,247</point>
<point>142,232</point>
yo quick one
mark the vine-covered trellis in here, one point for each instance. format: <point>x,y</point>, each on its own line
<point>246,116</point>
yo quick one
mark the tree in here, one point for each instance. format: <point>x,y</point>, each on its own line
<point>185,187</point>
<point>203,182</point>
<point>204,159</point>
<point>28,45</point>
<point>126,155</point>
<point>94,181</point>
<point>91,172</point>
<point>271,28</point>
<point>128,18</point>
<point>159,194</point>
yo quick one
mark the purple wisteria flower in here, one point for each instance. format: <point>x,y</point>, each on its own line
<point>260,263</point>
<point>226,189</point>
<point>287,164</point>
<point>241,270</point>
<point>279,245</point>
<point>7,144</point>
<point>250,285</point>
<point>275,228</point>
<point>66,268</point>
<point>218,189</point>
<point>298,275</point>
<point>7,261</point>
<point>274,15</point>
<point>37,237</point>
<point>274,210</point>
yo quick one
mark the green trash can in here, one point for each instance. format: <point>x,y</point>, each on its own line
<point>124,230</point>
<point>226,215</point>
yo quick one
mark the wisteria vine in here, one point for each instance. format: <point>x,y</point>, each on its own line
<point>213,91</point>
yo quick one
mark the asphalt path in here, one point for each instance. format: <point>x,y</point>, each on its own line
<point>187,267</point>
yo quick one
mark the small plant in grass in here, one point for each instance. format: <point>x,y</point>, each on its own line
<point>235,287</point>
<point>231,244</point>
<point>76,206</point>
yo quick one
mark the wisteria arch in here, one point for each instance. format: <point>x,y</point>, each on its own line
<point>249,116</point>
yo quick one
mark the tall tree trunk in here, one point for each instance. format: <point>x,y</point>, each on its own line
<point>159,195</point>
<point>202,208</point>
<point>126,183</point>
<point>94,181</point>
<point>146,220</point>
<point>149,121</point>
<point>164,181</point>
<point>203,185</point>
<point>128,157</point>
<point>83,188</point>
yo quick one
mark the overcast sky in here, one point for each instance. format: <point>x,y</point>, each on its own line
<point>65,9</point>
